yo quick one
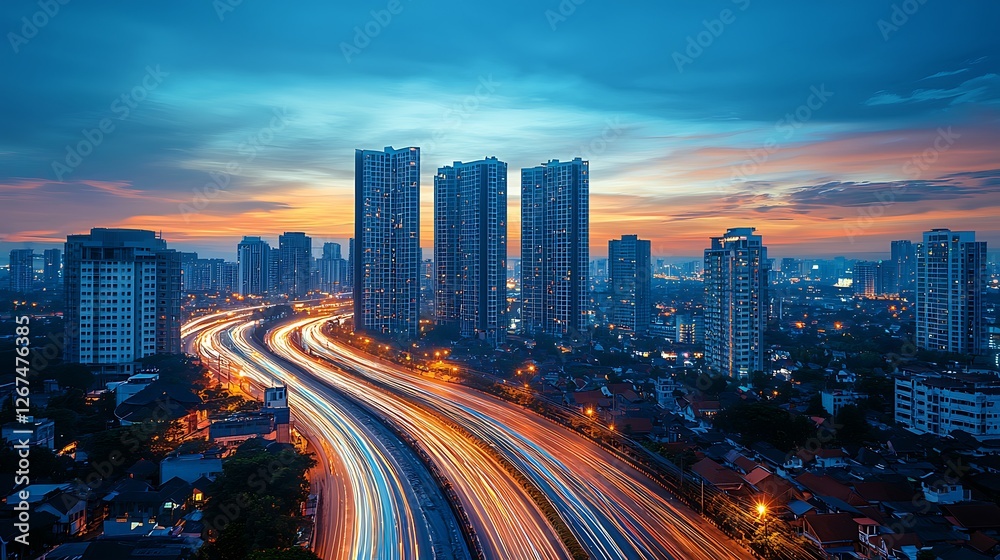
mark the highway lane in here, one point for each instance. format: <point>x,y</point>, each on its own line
<point>506,521</point>
<point>616,511</point>
<point>378,500</point>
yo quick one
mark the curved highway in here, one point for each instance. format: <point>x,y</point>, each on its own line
<point>616,511</point>
<point>376,499</point>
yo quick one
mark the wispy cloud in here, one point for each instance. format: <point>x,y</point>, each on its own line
<point>982,89</point>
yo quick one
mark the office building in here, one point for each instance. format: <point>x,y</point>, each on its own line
<point>629,275</point>
<point>229,278</point>
<point>332,269</point>
<point>736,303</point>
<point>294,264</point>
<point>206,275</point>
<point>555,253</point>
<point>470,248</point>
<point>52,268</point>
<point>903,257</point>
<point>867,279</point>
<point>123,293</point>
<point>253,256</point>
<point>951,287</point>
<point>387,242</point>
<point>22,270</point>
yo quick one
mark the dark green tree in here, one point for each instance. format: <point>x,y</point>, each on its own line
<point>254,504</point>
<point>852,425</point>
<point>77,376</point>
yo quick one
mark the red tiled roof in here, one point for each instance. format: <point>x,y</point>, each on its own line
<point>756,475</point>
<point>884,492</point>
<point>831,528</point>
<point>827,486</point>
<point>982,542</point>
<point>830,453</point>
<point>636,425</point>
<point>872,512</point>
<point>973,516</point>
<point>745,464</point>
<point>716,474</point>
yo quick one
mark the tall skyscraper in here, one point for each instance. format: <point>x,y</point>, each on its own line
<point>387,241</point>
<point>629,275</point>
<point>253,256</point>
<point>555,221</point>
<point>332,269</point>
<point>904,267</point>
<point>294,263</point>
<point>52,271</point>
<point>123,293</point>
<point>22,270</point>
<point>736,303</point>
<point>951,288</point>
<point>470,247</point>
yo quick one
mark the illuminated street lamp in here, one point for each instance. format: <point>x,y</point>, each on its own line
<point>762,515</point>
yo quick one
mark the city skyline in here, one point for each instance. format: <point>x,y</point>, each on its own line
<point>701,279</point>
<point>828,158</point>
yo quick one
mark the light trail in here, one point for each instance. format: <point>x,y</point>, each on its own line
<point>371,510</point>
<point>505,519</point>
<point>616,511</point>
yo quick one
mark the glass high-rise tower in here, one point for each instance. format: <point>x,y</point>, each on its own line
<point>294,263</point>
<point>253,256</point>
<point>555,253</point>
<point>630,274</point>
<point>387,241</point>
<point>951,288</point>
<point>470,248</point>
<point>22,270</point>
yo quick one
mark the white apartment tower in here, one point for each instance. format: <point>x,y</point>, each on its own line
<point>736,282</point>
<point>951,287</point>
<point>123,292</point>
